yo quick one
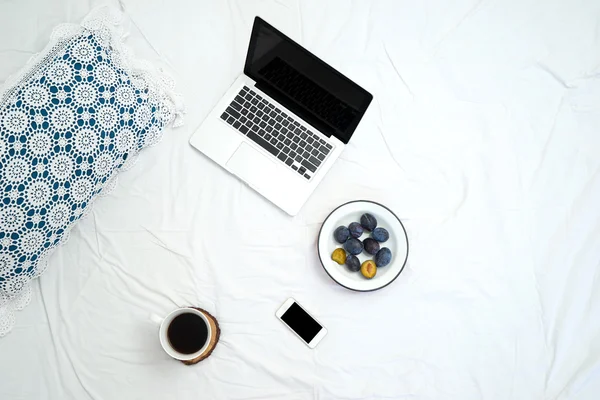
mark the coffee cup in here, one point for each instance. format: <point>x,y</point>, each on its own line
<point>185,333</point>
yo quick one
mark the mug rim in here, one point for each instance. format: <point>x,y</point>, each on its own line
<point>164,340</point>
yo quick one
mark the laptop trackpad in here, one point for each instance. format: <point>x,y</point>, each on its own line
<point>251,165</point>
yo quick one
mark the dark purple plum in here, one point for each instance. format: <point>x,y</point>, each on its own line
<point>341,234</point>
<point>353,263</point>
<point>356,229</point>
<point>353,246</point>
<point>380,234</point>
<point>368,221</point>
<point>383,257</point>
<point>371,246</point>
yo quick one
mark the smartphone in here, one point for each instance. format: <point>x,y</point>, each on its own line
<point>306,327</point>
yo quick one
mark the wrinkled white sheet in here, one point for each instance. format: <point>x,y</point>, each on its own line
<point>486,119</point>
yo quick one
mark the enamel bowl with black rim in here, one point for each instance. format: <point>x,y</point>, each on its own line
<point>397,243</point>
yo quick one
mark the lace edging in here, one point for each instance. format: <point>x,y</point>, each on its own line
<point>105,22</point>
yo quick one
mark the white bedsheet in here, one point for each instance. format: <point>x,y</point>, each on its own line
<point>486,118</point>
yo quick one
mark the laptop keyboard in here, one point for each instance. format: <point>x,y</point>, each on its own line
<point>275,131</point>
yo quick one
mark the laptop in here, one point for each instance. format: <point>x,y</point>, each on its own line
<point>284,121</point>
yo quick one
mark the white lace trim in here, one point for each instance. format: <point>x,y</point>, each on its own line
<point>105,22</point>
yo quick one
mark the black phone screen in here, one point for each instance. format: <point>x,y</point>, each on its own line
<point>301,322</point>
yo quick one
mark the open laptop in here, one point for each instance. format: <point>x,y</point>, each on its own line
<point>284,121</point>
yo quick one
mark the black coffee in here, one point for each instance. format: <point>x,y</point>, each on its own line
<point>187,333</point>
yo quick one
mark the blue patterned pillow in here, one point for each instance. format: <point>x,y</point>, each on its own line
<point>67,126</point>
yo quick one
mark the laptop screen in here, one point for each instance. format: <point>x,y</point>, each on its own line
<point>303,83</point>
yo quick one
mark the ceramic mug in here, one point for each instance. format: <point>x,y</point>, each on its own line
<point>163,333</point>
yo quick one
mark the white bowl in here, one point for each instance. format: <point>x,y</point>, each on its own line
<point>397,243</point>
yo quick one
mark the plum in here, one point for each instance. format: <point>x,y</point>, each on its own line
<point>341,234</point>
<point>353,246</point>
<point>368,269</point>
<point>383,257</point>
<point>353,263</point>
<point>368,221</point>
<point>379,234</point>
<point>339,256</point>
<point>371,246</point>
<point>356,229</point>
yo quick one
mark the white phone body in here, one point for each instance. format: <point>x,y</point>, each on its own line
<point>285,307</point>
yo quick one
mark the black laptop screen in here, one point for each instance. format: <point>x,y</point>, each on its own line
<point>303,83</point>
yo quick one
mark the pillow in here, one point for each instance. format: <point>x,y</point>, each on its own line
<point>78,114</point>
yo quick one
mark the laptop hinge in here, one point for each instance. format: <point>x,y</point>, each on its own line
<point>281,98</point>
